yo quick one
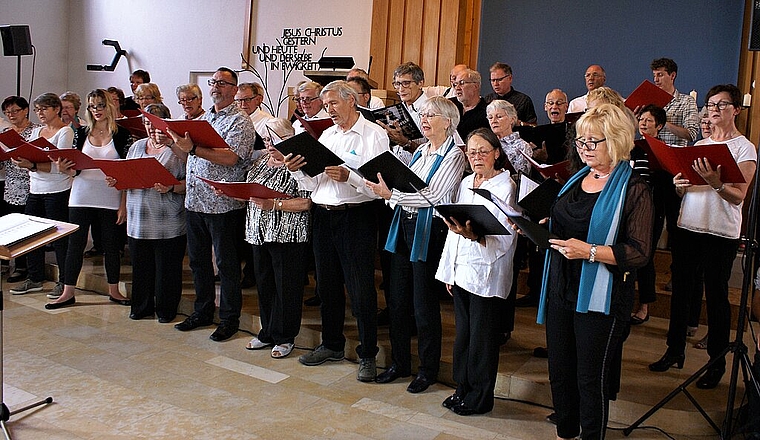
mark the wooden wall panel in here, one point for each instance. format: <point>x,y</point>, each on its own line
<point>436,34</point>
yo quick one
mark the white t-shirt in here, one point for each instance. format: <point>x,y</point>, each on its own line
<point>703,210</point>
<point>41,182</point>
<point>578,104</point>
<point>89,189</point>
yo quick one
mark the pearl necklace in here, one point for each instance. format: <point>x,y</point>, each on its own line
<point>600,176</point>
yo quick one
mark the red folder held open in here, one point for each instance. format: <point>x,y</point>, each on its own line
<point>81,160</point>
<point>201,132</point>
<point>680,160</point>
<point>648,93</point>
<point>139,173</point>
<point>245,190</point>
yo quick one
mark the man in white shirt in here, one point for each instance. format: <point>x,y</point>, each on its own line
<point>594,77</point>
<point>344,230</point>
<point>249,98</point>
<point>373,101</point>
<point>311,103</point>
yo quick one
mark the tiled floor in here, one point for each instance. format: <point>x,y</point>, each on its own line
<point>113,378</point>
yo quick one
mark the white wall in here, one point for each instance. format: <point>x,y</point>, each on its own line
<point>48,25</point>
<point>168,38</point>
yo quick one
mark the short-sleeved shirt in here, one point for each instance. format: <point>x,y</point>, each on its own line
<point>236,128</point>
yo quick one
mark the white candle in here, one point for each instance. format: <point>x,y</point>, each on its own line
<point>693,94</point>
<point>747,100</point>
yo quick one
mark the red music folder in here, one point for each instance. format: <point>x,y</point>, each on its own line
<point>245,190</point>
<point>81,160</point>
<point>43,143</point>
<point>139,173</point>
<point>201,132</point>
<point>558,169</point>
<point>11,139</point>
<point>135,126</point>
<point>315,127</point>
<point>30,153</point>
<point>648,93</point>
<point>680,159</point>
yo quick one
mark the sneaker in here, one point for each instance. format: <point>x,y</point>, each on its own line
<point>367,370</point>
<point>320,355</point>
<point>27,286</point>
<point>57,291</point>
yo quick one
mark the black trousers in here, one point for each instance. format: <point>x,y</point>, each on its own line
<point>157,275</point>
<point>422,297</point>
<point>217,231</point>
<point>280,269</point>
<point>695,255</point>
<point>345,243</point>
<point>476,347</point>
<point>84,218</point>
<point>54,206</point>
<point>582,348</point>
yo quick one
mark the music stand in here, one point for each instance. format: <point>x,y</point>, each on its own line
<point>62,229</point>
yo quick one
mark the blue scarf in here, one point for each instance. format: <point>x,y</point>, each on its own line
<point>595,290</point>
<point>424,216</point>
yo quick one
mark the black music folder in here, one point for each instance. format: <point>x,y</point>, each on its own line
<point>316,155</point>
<point>398,114</point>
<point>536,233</point>
<point>482,221</point>
<point>395,173</point>
<point>537,199</point>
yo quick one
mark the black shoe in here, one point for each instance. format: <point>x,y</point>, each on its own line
<point>527,301</point>
<point>225,331</point>
<point>94,252</point>
<point>552,418</point>
<point>419,384</point>
<point>18,275</point>
<point>138,316</point>
<point>390,375</point>
<point>711,378</point>
<point>68,302</point>
<point>541,352</point>
<point>383,317</point>
<point>192,322</point>
<point>121,302</point>
<point>313,301</point>
<point>166,319</point>
<point>464,410</point>
<point>635,320</point>
<point>666,361</point>
<point>452,401</point>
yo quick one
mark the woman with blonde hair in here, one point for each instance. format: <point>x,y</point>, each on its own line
<point>147,94</point>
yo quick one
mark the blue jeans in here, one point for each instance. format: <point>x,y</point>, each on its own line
<point>205,231</point>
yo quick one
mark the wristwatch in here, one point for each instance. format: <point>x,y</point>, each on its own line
<point>192,150</point>
<point>33,167</point>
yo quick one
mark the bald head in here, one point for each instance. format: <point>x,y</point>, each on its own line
<point>456,70</point>
<point>556,106</point>
<point>595,77</point>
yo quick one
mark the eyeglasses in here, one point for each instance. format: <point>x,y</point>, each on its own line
<point>219,83</point>
<point>479,153</point>
<point>146,98</point>
<point>187,100</point>
<point>587,145</point>
<point>304,100</point>
<point>96,107</point>
<point>242,100</point>
<point>41,108</point>
<point>461,83</point>
<point>429,115</point>
<point>552,103</point>
<point>404,84</point>
<point>495,80</point>
<point>593,75</point>
<point>720,105</point>
<point>13,111</point>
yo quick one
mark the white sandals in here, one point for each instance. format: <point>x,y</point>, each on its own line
<point>257,344</point>
<point>281,350</point>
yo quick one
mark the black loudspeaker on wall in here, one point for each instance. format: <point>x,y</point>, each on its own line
<point>16,40</point>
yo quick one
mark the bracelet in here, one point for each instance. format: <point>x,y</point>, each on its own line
<point>33,168</point>
<point>592,254</point>
<point>720,188</point>
<point>192,150</point>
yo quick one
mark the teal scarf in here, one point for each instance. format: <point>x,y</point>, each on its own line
<point>424,215</point>
<point>595,290</point>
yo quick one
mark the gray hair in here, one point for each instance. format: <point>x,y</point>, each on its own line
<point>159,110</point>
<point>473,75</point>
<point>193,89</point>
<point>500,104</point>
<point>447,109</point>
<point>344,90</point>
<point>281,127</point>
<point>309,85</point>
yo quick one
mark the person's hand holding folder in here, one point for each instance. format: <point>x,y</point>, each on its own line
<point>380,188</point>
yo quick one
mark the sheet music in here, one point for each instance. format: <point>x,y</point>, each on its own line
<point>527,185</point>
<point>16,228</point>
